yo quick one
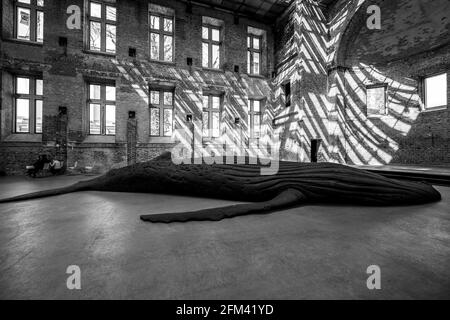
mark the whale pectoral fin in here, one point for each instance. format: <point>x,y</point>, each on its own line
<point>285,199</point>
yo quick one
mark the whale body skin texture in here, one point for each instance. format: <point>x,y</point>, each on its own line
<point>295,184</point>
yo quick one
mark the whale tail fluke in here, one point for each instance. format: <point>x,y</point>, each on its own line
<point>285,199</point>
<point>80,186</point>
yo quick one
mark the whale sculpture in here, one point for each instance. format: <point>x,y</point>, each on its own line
<point>295,184</point>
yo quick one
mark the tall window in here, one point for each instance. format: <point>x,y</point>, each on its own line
<point>102,27</point>
<point>254,112</point>
<point>161,37</point>
<point>102,109</point>
<point>211,116</point>
<point>29,20</point>
<point>28,105</point>
<point>376,100</point>
<point>253,54</point>
<point>436,91</point>
<point>161,113</point>
<point>211,47</point>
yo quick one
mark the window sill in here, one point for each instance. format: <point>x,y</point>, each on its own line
<point>97,138</point>
<point>100,53</point>
<point>155,139</point>
<point>23,137</point>
<point>443,108</point>
<point>257,76</point>
<point>30,43</point>
<point>171,63</point>
<point>213,70</point>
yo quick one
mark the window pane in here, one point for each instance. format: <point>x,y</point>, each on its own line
<point>154,121</point>
<point>168,122</point>
<point>205,58</point>
<point>436,91</point>
<point>23,23</point>
<point>111,13</point>
<point>215,33</point>
<point>40,27</point>
<point>110,38</point>
<point>40,3</point>
<point>154,46</point>
<point>110,93</point>
<point>215,102</point>
<point>95,36</point>
<point>154,22</point>
<point>215,124</point>
<point>39,87</point>
<point>215,56</point>
<point>168,25</point>
<point>256,44</point>
<point>249,67</point>
<point>256,106</point>
<point>23,86</point>
<point>25,1</point>
<point>22,115</point>
<point>167,48</point>
<point>256,126</point>
<point>96,10</point>
<point>154,97</point>
<point>205,34</point>
<point>256,63</point>
<point>110,119</point>
<point>94,118</point>
<point>376,101</point>
<point>205,124</point>
<point>248,42</point>
<point>38,115</point>
<point>168,96</point>
<point>205,102</point>
<point>94,91</point>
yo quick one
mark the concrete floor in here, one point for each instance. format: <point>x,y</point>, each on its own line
<point>307,252</point>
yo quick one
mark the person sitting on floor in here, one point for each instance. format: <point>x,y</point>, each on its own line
<point>55,166</point>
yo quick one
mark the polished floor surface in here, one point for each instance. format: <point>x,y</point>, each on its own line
<point>307,252</point>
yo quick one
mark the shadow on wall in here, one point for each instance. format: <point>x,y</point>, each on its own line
<point>189,86</point>
<point>334,86</point>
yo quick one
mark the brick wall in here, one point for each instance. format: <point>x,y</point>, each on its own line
<point>321,52</point>
<point>66,71</point>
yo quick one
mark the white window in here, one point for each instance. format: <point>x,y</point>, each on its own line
<point>436,91</point>
<point>161,113</point>
<point>29,20</point>
<point>254,112</point>
<point>161,37</point>
<point>102,109</point>
<point>102,27</point>
<point>28,105</point>
<point>211,43</point>
<point>376,100</point>
<point>254,54</point>
<point>211,116</point>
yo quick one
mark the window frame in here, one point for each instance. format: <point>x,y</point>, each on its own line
<point>161,33</point>
<point>32,97</point>
<point>210,43</point>
<point>386,102</point>
<point>424,96</point>
<point>210,111</point>
<point>34,9</point>
<point>161,107</point>
<point>103,103</point>
<point>103,23</point>
<point>251,114</point>
<point>252,51</point>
